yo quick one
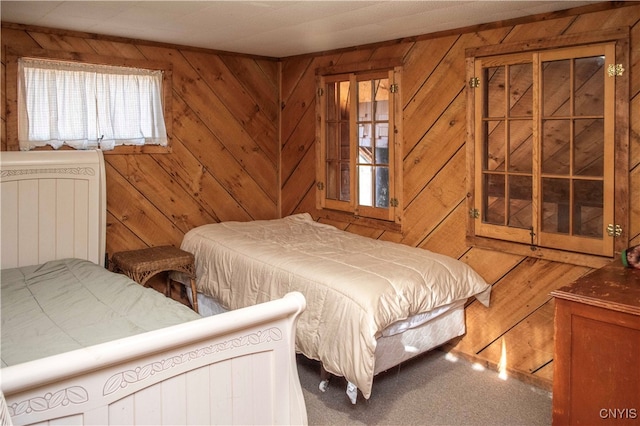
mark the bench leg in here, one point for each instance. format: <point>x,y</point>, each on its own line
<point>167,291</point>
<point>194,295</point>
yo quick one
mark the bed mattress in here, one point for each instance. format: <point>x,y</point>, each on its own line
<point>400,341</point>
<point>355,286</point>
<point>69,304</point>
<point>209,306</point>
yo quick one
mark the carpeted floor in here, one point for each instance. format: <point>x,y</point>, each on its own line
<point>434,389</point>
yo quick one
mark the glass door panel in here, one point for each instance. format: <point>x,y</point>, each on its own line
<point>588,208</point>
<point>555,205</point>
<point>373,142</point>
<point>494,92</point>
<point>337,139</point>
<point>494,158</point>
<point>494,201</point>
<point>507,164</point>
<point>556,147</point>
<point>382,187</point>
<point>521,90</point>
<point>572,146</point>
<point>520,201</point>
<point>589,86</point>
<point>556,88</point>
<point>520,146</point>
<point>588,147</point>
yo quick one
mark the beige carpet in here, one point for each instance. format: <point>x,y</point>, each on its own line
<point>429,390</point>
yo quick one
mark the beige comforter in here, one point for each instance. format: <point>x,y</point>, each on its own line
<point>355,286</point>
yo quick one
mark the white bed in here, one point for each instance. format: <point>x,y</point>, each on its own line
<point>370,304</point>
<point>235,368</point>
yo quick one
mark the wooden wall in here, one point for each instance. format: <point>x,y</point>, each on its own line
<point>224,159</point>
<point>242,149</point>
<point>433,89</point>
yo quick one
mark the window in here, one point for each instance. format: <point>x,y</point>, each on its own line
<point>546,139</point>
<point>359,154</point>
<point>88,106</point>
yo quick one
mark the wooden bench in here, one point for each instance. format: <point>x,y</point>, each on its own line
<point>142,264</point>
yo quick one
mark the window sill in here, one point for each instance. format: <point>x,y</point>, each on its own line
<point>119,150</point>
<point>129,149</point>
<point>360,220</point>
<point>555,255</point>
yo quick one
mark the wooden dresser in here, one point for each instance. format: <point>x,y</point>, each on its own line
<point>596,378</point>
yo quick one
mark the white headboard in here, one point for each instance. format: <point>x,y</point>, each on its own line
<point>53,206</point>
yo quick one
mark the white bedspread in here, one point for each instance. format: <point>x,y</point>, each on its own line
<point>63,305</point>
<point>355,286</point>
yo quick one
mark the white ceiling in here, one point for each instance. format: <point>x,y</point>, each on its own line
<point>270,28</point>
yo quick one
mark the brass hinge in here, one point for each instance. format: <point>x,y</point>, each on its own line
<point>614,230</point>
<point>320,91</point>
<point>474,82</point>
<point>474,213</point>
<point>320,186</point>
<point>393,88</point>
<point>393,202</point>
<point>615,70</point>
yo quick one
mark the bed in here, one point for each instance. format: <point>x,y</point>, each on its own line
<point>83,345</point>
<point>371,304</point>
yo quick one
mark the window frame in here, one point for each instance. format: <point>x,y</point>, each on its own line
<point>619,36</point>
<point>88,58</point>
<point>349,210</point>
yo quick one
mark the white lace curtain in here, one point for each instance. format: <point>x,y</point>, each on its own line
<point>88,106</point>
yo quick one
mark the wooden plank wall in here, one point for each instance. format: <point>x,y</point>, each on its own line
<point>242,149</point>
<point>521,314</point>
<point>224,159</point>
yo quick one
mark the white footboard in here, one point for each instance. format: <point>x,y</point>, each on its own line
<point>234,368</point>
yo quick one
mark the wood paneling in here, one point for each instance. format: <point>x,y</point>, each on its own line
<point>434,126</point>
<point>243,149</point>
<point>224,159</point>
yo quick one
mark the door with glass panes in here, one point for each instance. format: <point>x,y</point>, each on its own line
<point>544,148</point>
